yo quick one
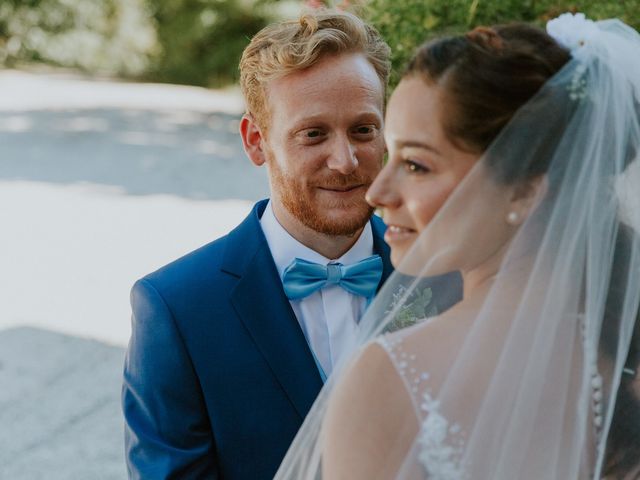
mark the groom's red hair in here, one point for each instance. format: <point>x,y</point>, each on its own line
<point>292,45</point>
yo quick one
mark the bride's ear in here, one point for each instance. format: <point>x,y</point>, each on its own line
<point>252,139</point>
<point>525,197</point>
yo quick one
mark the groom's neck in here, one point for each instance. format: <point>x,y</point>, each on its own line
<point>329,246</point>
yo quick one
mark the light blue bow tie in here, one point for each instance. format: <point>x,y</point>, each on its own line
<point>302,278</point>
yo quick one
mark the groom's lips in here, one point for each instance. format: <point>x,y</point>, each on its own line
<point>343,189</point>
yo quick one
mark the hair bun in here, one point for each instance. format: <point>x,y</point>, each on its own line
<point>485,37</point>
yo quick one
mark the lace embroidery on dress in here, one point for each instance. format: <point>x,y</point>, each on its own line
<point>405,366</point>
<point>441,443</point>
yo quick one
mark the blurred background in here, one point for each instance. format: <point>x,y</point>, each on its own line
<point>119,152</point>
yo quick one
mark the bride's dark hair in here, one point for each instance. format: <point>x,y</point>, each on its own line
<point>486,76</point>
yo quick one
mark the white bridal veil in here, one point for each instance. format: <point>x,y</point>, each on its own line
<point>534,377</point>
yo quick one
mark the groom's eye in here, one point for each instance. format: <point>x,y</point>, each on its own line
<point>366,131</point>
<point>311,133</point>
<point>310,136</point>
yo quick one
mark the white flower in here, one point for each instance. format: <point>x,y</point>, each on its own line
<point>572,31</point>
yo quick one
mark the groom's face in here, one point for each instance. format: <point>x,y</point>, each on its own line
<point>324,144</point>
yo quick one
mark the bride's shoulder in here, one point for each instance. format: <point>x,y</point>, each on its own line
<point>370,416</point>
<point>377,374</point>
<point>372,381</point>
<point>371,370</point>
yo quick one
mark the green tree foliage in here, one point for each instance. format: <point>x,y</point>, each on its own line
<point>195,42</point>
<point>405,24</point>
<point>201,41</point>
<point>99,36</point>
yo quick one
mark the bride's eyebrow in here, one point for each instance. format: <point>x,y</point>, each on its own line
<point>416,144</point>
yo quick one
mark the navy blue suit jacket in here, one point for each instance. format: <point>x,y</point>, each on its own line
<point>218,375</point>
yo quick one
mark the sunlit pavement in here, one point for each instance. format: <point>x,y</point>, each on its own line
<point>100,183</point>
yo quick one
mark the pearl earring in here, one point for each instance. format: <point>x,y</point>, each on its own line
<point>512,218</point>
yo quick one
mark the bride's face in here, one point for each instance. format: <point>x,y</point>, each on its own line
<point>423,169</point>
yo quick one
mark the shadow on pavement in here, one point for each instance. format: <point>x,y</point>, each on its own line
<point>185,153</point>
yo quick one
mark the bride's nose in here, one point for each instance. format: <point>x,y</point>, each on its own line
<point>383,192</point>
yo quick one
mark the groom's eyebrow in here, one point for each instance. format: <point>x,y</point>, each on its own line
<point>322,118</point>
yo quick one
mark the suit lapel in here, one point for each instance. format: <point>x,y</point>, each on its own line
<point>263,308</point>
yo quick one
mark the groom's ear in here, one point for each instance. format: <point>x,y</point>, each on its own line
<point>252,139</point>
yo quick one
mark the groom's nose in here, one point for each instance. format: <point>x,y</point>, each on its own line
<point>343,155</point>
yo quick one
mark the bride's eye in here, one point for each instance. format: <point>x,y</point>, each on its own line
<point>412,166</point>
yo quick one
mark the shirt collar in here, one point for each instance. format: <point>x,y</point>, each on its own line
<point>284,248</point>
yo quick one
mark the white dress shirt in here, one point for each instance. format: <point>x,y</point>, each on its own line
<point>328,317</point>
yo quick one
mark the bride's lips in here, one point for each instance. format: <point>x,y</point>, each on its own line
<point>398,233</point>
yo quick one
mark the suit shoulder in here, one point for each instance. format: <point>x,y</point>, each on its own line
<point>196,266</point>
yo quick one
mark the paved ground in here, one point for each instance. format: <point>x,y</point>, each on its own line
<point>100,183</point>
<point>60,417</point>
